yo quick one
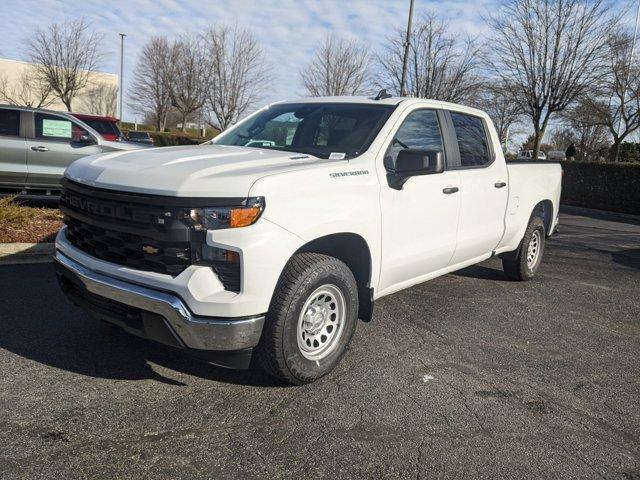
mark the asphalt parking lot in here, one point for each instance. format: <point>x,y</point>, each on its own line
<point>467,376</point>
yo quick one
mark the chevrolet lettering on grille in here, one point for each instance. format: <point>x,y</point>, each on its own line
<point>110,210</point>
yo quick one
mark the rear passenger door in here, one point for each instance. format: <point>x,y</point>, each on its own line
<point>13,149</point>
<point>57,143</point>
<point>483,187</point>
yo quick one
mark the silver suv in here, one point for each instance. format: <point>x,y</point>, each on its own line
<point>36,146</point>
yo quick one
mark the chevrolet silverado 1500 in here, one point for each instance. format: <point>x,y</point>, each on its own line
<point>273,239</point>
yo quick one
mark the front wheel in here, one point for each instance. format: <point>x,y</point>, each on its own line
<point>311,319</point>
<point>523,263</point>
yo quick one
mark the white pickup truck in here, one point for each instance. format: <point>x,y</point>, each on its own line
<point>273,239</point>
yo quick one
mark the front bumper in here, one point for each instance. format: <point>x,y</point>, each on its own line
<point>154,314</point>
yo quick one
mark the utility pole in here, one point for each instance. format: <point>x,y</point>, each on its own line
<point>626,82</point>
<point>405,60</point>
<point>122,35</point>
<point>506,140</point>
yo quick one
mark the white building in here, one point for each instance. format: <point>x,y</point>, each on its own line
<point>17,87</point>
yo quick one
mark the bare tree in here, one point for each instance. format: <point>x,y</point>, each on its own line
<point>441,66</point>
<point>617,107</point>
<point>497,101</point>
<point>29,91</point>
<point>339,67</point>
<point>150,92</point>
<point>549,52</point>
<point>101,99</point>
<point>190,74</point>
<point>591,137</point>
<point>561,137</point>
<point>65,55</point>
<point>238,74</point>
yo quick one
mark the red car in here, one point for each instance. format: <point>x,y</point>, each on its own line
<point>107,127</point>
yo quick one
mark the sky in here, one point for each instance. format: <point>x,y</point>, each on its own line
<point>288,30</point>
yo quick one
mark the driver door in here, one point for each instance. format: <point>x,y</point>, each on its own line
<point>57,144</point>
<point>419,221</point>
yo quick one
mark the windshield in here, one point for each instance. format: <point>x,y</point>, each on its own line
<point>103,126</point>
<point>320,129</point>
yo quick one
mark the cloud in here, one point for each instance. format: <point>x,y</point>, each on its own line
<point>289,30</point>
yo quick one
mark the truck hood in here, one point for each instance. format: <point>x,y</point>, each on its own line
<point>193,171</point>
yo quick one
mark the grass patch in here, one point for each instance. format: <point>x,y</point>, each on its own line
<point>21,223</point>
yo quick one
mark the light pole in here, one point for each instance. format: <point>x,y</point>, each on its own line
<point>405,60</point>
<point>626,80</point>
<point>122,35</point>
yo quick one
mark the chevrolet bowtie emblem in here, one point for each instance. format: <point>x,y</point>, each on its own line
<point>150,250</point>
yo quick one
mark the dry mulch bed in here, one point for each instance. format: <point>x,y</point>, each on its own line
<point>21,223</point>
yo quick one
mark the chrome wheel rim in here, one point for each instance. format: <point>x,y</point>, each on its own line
<point>321,322</point>
<point>533,250</point>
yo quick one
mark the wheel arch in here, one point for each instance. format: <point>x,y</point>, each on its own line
<point>353,250</point>
<point>545,209</point>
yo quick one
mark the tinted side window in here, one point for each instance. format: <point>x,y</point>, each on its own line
<point>472,139</point>
<point>420,130</point>
<point>10,122</point>
<point>52,127</point>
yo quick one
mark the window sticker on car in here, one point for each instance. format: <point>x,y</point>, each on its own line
<point>337,156</point>
<point>56,128</point>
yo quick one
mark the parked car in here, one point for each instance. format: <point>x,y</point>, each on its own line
<point>36,146</point>
<point>229,251</point>
<point>528,155</point>
<point>140,137</point>
<point>107,127</point>
<point>557,155</point>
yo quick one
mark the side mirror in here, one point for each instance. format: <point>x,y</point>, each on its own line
<point>413,162</point>
<point>85,139</point>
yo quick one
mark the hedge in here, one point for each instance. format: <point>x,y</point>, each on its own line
<point>190,132</point>
<point>630,152</point>
<point>172,139</point>
<point>604,186</point>
<point>164,139</point>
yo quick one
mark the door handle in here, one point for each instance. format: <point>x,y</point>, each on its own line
<point>449,190</point>
<point>40,149</point>
<point>500,184</point>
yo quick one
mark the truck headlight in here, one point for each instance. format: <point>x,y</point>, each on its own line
<point>216,218</point>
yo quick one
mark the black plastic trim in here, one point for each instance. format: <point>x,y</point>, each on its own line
<point>182,234</point>
<point>452,160</point>
<point>536,162</point>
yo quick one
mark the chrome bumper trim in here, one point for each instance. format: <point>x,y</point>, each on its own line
<point>202,333</point>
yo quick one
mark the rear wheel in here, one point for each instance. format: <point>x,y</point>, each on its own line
<point>311,319</point>
<point>523,263</point>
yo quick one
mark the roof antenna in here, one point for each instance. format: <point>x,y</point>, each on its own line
<point>382,94</point>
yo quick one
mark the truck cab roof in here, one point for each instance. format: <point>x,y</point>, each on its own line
<point>425,102</point>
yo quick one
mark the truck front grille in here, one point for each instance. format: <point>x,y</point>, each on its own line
<point>135,251</point>
<point>127,229</point>
<point>145,232</point>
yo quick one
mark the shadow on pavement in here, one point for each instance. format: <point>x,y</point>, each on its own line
<point>38,323</point>
<point>601,215</point>
<point>485,273</point>
<point>628,258</point>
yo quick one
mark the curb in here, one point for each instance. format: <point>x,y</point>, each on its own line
<point>21,253</point>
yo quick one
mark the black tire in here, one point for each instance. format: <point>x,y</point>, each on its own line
<point>278,352</point>
<point>515,264</point>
